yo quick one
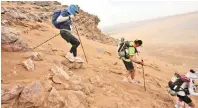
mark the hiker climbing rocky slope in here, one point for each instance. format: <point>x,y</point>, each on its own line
<point>44,78</point>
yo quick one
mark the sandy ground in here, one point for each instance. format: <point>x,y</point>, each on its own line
<point>101,59</point>
<point>162,61</point>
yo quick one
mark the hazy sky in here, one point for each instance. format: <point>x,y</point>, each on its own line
<point>119,11</point>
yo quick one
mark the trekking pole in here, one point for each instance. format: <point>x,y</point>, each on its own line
<point>143,74</point>
<point>45,41</point>
<point>81,43</point>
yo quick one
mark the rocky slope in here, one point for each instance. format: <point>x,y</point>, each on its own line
<point>43,78</point>
<point>34,15</point>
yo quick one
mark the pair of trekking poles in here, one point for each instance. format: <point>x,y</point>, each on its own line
<point>57,35</point>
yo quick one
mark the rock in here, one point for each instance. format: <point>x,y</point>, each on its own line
<point>36,56</point>
<point>9,35</point>
<point>59,64</point>
<point>48,85</point>
<point>76,99</point>
<point>67,63</point>
<point>14,103</point>
<point>88,88</point>
<point>115,63</point>
<point>76,83</point>
<point>72,65</point>
<point>60,72</point>
<point>70,73</point>
<point>77,65</point>
<point>55,100</point>
<point>11,93</point>
<point>56,79</point>
<point>63,86</point>
<point>15,47</point>
<point>32,95</point>
<point>29,65</point>
<point>90,100</point>
<point>127,97</point>
<point>3,10</point>
<point>96,80</point>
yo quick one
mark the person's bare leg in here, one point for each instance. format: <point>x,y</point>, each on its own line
<point>127,75</point>
<point>132,72</point>
<point>192,105</point>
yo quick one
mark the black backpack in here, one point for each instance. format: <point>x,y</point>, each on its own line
<point>176,81</point>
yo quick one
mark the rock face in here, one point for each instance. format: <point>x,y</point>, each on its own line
<point>9,94</point>
<point>86,23</point>
<point>32,95</point>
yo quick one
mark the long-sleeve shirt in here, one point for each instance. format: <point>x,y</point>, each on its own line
<point>192,88</point>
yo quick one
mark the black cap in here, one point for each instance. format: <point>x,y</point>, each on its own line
<point>138,42</point>
<point>192,71</point>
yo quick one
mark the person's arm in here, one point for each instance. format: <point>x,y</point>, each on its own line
<point>62,19</point>
<point>191,88</point>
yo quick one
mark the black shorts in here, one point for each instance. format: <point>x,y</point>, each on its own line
<point>186,99</point>
<point>128,65</point>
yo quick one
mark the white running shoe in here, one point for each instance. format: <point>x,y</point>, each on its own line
<point>78,59</point>
<point>70,57</point>
<point>134,81</point>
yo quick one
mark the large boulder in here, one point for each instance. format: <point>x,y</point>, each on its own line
<point>9,35</point>
<point>59,71</point>
<point>55,100</point>
<point>11,93</point>
<point>10,40</point>
<point>76,99</point>
<point>32,96</point>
